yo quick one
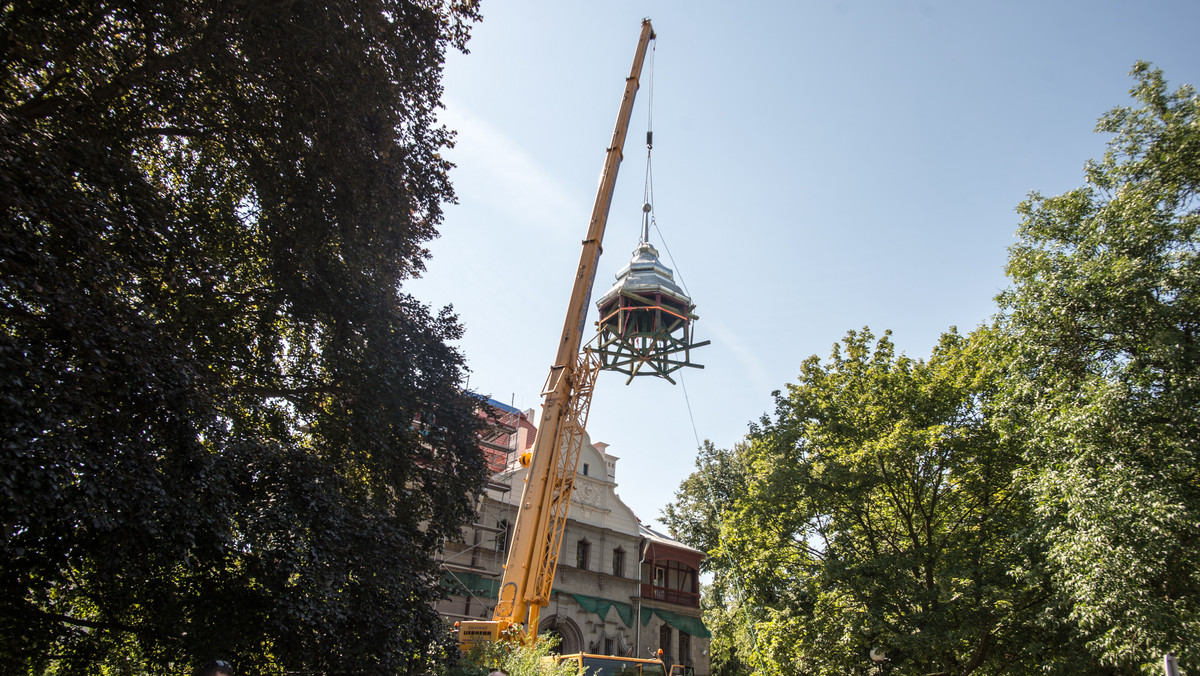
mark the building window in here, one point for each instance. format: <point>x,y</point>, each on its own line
<point>609,646</point>
<point>685,648</point>
<point>675,575</point>
<point>582,550</point>
<point>687,580</point>
<point>619,562</point>
<point>664,643</point>
<point>585,469</point>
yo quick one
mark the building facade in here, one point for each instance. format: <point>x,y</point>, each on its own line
<point>621,588</point>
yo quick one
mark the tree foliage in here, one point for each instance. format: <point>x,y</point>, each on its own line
<point>1105,318</point>
<point>880,513</point>
<point>210,375</point>
<point>696,517</point>
<point>536,658</point>
<point>1026,500</point>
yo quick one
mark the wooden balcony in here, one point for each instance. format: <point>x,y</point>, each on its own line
<point>676,596</point>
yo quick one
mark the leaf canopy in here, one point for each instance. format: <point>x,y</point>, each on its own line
<point>879,511</point>
<point>1104,312</point>
<point>226,431</point>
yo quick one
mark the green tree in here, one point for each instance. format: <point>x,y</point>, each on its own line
<point>1105,315</point>
<point>224,430</point>
<point>695,518</point>
<point>879,512</point>
<point>514,658</point>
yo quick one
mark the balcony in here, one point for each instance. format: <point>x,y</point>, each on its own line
<point>676,596</point>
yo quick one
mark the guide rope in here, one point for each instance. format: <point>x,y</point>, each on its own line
<point>738,592</point>
<point>648,220</point>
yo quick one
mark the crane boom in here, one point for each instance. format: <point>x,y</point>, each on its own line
<point>567,395</point>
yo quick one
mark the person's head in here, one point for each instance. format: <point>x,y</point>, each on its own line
<point>216,668</point>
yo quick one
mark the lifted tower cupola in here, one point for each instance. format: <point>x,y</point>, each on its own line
<point>645,325</point>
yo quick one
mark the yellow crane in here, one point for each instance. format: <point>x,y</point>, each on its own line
<point>644,328</point>
<point>567,396</point>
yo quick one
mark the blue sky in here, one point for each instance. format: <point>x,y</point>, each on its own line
<point>818,167</point>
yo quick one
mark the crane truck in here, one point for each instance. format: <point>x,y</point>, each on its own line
<point>545,500</point>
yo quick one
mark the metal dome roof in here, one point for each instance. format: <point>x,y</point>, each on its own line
<point>645,274</point>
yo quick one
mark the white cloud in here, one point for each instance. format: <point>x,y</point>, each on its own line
<point>755,374</point>
<point>495,172</point>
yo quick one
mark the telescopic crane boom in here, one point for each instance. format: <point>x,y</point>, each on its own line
<point>567,396</point>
